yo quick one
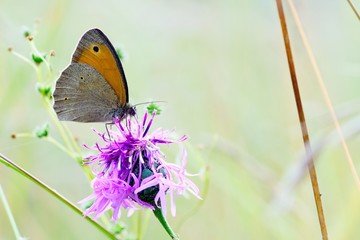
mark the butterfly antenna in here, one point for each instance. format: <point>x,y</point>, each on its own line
<point>149,103</point>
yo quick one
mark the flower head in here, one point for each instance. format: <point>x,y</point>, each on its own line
<point>131,171</point>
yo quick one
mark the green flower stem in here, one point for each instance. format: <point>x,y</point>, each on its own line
<point>7,162</point>
<point>146,220</point>
<point>11,217</point>
<point>59,145</point>
<point>52,140</point>
<point>143,221</point>
<point>68,139</point>
<point>160,216</point>
<point>64,131</point>
<point>72,139</point>
<point>36,51</point>
<point>204,194</point>
<point>57,124</point>
<point>49,139</point>
<point>139,225</point>
<point>23,135</point>
<point>25,60</point>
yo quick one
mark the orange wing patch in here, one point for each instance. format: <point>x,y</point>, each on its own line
<point>100,57</point>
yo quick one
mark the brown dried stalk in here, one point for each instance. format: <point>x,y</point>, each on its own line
<point>302,120</point>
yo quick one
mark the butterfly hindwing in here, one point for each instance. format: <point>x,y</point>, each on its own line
<point>83,95</point>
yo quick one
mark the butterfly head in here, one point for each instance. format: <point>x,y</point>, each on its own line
<point>124,111</point>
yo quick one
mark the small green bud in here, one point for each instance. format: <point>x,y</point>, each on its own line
<point>121,53</point>
<point>26,32</point>
<point>79,158</point>
<point>44,90</point>
<point>87,204</point>
<point>42,131</point>
<point>37,59</point>
<point>153,107</point>
<point>117,228</point>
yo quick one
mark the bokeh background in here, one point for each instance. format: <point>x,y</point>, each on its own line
<point>221,67</point>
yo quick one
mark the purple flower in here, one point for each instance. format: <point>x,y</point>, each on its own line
<point>131,171</point>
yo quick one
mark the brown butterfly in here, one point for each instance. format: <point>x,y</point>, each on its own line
<point>93,87</point>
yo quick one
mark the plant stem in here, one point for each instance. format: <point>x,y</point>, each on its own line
<point>325,94</point>
<point>160,216</point>
<point>139,225</point>
<point>354,9</point>
<point>57,123</point>
<point>71,137</point>
<point>25,60</point>
<point>49,139</point>
<point>200,203</point>
<point>11,217</point>
<point>6,161</point>
<point>302,120</point>
<point>38,54</point>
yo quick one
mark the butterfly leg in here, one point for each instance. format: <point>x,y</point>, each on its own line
<point>108,126</point>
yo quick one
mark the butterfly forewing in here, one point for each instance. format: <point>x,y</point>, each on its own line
<point>96,50</point>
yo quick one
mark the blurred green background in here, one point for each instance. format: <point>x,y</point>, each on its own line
<point>221,68</point>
